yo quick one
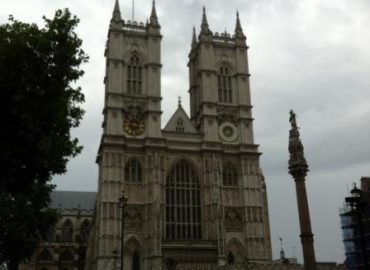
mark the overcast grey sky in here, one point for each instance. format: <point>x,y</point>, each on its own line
<point>309,55</point>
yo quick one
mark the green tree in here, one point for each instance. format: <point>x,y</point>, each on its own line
<point>39,105</point>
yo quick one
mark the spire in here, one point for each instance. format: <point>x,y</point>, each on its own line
<point>194,39</point>
<point>116,12</point>
<point>204,26</point>
<point>153,16</point>
<point>204,18</point>
<point>238,28</point>
<point>116,21</point>
<point>297,162</point>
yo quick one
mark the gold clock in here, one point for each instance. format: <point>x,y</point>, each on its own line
<point>133,123</point>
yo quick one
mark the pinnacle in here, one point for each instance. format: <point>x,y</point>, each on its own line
<point>154,12</point>
<point>238,28</point>
<point>204,26</point>
<point>204,18</point>
<point>153,15</point>
<point>116,12</point>
<point>194,39</point>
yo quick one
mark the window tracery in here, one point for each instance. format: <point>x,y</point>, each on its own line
<point>229,175</point>
<point>224,83</point>
<point>133,172</point>
<point>183,207</point>
<point>134,76</point>
<point>67,231</point>
<point>85,228</point>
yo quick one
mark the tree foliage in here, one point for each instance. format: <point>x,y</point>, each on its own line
<point>40,104</point>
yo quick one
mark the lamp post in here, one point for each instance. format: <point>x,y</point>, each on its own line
<point>122,205</point>
<point>357,206</point>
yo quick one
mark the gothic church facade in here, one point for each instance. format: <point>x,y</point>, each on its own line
<point>196,195</point>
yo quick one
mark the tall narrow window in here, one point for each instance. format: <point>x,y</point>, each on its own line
<point>229,175</point>
<point>133,171</point>
<point>136,261</point>
<point>134,76</point>
<point>180,125</point>
<point>225,92</point>
<point>85,228</point>
<point>67,231</point>
<point>183,217</point>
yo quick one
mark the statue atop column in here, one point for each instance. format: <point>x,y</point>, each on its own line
<point>298,168</point>
<point>297,162</point>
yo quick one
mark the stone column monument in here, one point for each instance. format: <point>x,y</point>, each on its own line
<point>298,168</point>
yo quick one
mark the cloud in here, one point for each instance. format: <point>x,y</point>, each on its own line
<point>309,55</point>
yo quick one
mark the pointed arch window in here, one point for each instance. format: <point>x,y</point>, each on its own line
<point>225,91</point>
<point>133,171</point>
<point>134,76</point>
<point>229,175</point>
<point>180,125</point>
<point>67,231</point>
<point>85,228</point>
<point>183,214</point>
<point>45,256</point>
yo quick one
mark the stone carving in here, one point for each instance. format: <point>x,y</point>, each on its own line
<point>252,168</point>
<point>133,102</point>
<point>225,114</point>
<point>133,216</point>
<point>233,219</point>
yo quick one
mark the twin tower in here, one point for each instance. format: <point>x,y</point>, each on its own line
<point>196,196</point>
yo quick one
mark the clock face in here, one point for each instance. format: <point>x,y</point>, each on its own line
<point>228,132</point>
<point>133,123</point>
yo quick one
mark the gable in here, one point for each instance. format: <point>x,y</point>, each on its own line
<point>180,122</point>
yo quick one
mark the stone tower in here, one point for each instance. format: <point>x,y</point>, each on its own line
<point>196,193</point>
<point>219,85</point>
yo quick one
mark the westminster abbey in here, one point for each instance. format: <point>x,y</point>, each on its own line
<point>185,195</point>
<point>196,196</point>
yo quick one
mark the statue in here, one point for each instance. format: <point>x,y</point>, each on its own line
<point>292,119</point>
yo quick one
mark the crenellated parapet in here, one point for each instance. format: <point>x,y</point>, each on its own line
<point>237,39</point>
<point>151,27</point>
